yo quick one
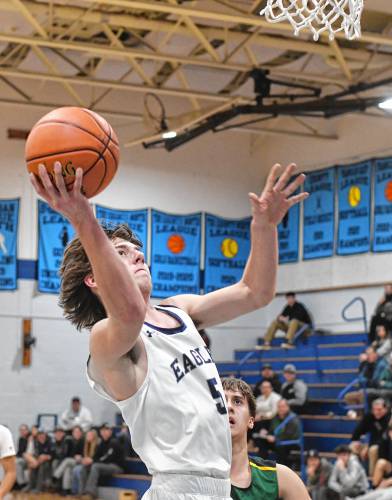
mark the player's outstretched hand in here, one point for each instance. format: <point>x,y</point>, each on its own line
<point>276,199</point>
<point>72,204</point>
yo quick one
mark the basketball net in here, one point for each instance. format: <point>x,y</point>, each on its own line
<point>318,16</point>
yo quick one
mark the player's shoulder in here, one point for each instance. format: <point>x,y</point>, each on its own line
<point>4,431</point>
<point>261,464</point>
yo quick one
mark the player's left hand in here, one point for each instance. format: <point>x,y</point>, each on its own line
<point>276,199</point>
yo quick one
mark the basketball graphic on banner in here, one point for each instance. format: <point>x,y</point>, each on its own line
<point>388,191</point>
<point>354,196</point>
<point>176,243</point>
<point>229,248</point>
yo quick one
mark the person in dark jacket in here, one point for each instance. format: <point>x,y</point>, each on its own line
<point>21,464</point>
<point>318,471</point>
<point>294,390</point>
<point>40,464</point>
<point>383,469</point>
<point>268,374</point>
<point>382,313</point>
<point>108,460</point>
<point>66,458</point>
<point>293,317</point>
<point>375,424</point>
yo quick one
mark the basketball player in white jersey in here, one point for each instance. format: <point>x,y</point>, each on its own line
<point>151,361</point>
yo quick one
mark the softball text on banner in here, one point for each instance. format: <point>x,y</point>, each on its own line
<point>288,235</point>
<point>175,253</point>
<point>227,248</point>
<point>382,229</point>
<point>354,208</point>
<point>9,218</point>
<point>54,233</point>
<point>136,220</point>
<point>319,213</point>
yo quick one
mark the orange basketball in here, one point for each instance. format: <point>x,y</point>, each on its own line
<point>176,243</point>
<point>76,137</point>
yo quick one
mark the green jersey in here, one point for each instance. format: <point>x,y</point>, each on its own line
<point>263,485</point>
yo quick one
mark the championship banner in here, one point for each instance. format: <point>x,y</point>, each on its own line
<point>175,253</point>
<point>354,183</point>
<point>227,247</point>
<point>136,220</point>
<point>288,235</point>
<point>319,214</point>
<point>9,219</point>
<point>54,233</point>
<point>382,227</point>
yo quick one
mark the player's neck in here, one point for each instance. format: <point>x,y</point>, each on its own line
<point>240,474</point>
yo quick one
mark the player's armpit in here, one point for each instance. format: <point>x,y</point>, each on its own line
<point>290,484</point>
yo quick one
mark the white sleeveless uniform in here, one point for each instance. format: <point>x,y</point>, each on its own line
<point>178,418</point>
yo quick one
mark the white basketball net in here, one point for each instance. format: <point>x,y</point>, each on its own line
<point>318,16</point>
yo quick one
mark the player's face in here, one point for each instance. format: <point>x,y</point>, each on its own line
<point>239,416</point>
<point>134,257</point>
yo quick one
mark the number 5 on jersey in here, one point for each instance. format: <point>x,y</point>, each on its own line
<point>216,395</point>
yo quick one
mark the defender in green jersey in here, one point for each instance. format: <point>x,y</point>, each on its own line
<point>254,479</point>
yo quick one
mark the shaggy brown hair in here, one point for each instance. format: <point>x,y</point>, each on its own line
<point>238,385</point>
<point>81,306</point>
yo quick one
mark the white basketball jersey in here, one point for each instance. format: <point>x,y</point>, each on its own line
<point>178,418</point>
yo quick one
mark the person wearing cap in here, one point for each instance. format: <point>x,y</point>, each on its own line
<point>348,477</point>
<point>61,454</point>
<point>7,461</point>
<point>318,470</point>
<point>267,373</point>
<point>253,478</point>
<point>76,415</point>
<point>293,317</point>
<point>294,390</point>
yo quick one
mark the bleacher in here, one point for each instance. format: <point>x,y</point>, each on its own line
<point>327,363</point>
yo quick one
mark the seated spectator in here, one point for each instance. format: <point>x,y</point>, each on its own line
<point>383,342</point>
<point>266,405</point>
<point>39,464</point>
<point>348,477</point>
<point>285,426</point>
<point>76,415</point>
<point>370,370</point>
<point>267,373</point>
<point>382,313</point>
<point>318,471</point>
<point>375,424</point>
<point>7,461</point>
<point>294,390</point>
<point>21,464</point>
<point>108,460</point>
<point>84,462</point>
<point>124,438</point>
<point>383,469</point>
<point>293,317</point>
<point>67,450</point>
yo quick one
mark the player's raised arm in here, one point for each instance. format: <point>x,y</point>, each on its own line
<point>111,278</point>
<point>257,285</point>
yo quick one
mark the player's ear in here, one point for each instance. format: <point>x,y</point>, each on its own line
<point>251,423</point>
<point>90,281</point>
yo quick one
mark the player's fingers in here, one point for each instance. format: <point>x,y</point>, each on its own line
<point>77,187</point>
<point>37,185</point>
<point>59,179</point>
<point>273,175</point>
<point>293,186</point>
<point>285,177</point>
<point>297,198</point>
<point>45,179</point>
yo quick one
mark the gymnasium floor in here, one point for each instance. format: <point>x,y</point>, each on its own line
<point>39,496</point>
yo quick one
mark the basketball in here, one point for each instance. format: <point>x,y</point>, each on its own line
<point>75,137</point>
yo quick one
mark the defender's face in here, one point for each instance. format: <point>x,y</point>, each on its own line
<point>239,416</point>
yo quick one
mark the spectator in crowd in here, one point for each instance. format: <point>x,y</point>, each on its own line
<point>7,461</point>
<point>108,460</point>
<point>124,438</point>
<point>384,389</point>
<point>84,462</point>
<point>382,313</point>
<point>383,342</point>
<point>293,317</point>
<point>267,373</point>
<point>383,469</point>
<point>370,370</point>
<point>294,390</point>
<point>318,471</point>
<point>76,415</point>
<point>266,406</point>
<point>375,424</point>
<point>205,337</point>
<point>285,426</point>
<point>39,464</point>
<point>348,477</point>
<point>63,460</point>
<point>21,464</point>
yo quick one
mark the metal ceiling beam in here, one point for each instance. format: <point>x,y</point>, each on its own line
<point>30,18</point>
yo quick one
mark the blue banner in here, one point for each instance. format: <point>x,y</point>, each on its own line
<point>319,214</point>
<point>9,219</point>
<point>288,235</point>
<point>136,220</point>
<point>54,233</point>
<point>175,254</point>
<point>354,183</point>
<point>227,246</point>
<point>382,227</point>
